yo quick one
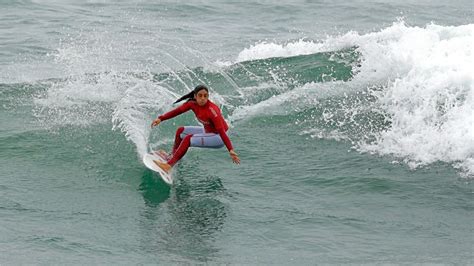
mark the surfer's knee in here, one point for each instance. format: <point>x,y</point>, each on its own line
<point>187,140</point>
<point>179,131</point>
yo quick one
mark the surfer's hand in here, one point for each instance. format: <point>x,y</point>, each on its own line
<point>156,122</point>
<point>234,156</point>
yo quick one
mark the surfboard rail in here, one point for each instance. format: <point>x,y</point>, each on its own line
<point>148,161</point>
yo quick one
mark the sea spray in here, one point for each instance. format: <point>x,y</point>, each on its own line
<point>131,114</point>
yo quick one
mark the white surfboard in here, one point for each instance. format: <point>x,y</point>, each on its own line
<point>148,161</point>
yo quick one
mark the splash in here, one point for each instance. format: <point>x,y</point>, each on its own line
<point>103,82</point>
<point>131,114</point>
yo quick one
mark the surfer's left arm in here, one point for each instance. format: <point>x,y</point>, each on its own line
<point>217,120</point>
<point>228,144</point>
<point>235,157</point>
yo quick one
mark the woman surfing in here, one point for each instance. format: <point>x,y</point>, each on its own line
<point>211,135</point>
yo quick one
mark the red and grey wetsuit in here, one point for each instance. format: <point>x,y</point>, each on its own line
<point>213,135</point>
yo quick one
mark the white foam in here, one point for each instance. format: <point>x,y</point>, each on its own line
<point>429,95</point>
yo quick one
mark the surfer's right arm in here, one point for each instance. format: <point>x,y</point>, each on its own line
<point>175,112</point>
<point>155,122</point>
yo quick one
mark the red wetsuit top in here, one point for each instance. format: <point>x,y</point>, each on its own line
<point>209,115</point>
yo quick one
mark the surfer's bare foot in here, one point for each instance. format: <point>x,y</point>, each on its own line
<point>166,167</point>
<point>163,154</point>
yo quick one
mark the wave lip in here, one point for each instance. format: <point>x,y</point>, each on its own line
<point>264,50</point>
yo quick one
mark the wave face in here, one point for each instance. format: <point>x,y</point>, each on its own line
<point>410,96</point>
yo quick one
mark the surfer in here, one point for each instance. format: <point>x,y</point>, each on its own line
<point>211,135</point>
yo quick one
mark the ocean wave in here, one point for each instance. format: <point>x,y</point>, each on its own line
<point>401,91</point>
<point>420,78</point>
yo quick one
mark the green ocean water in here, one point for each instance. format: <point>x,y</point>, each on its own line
<point>353,122</point>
